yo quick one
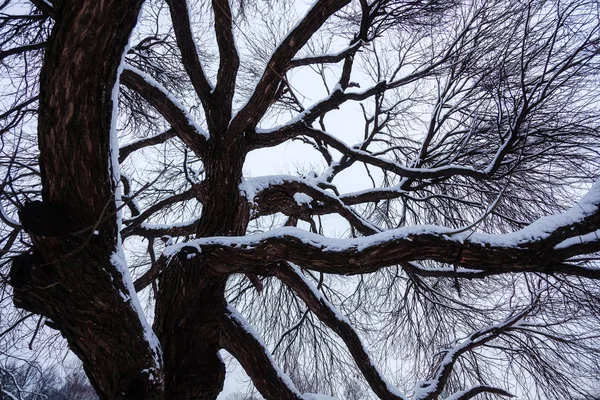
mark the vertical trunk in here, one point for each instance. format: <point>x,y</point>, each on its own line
<point>74,276</point>
<point>191,300</point>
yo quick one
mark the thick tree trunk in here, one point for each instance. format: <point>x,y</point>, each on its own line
<point>74,277</point>
<point>191,299</point>
<point>189,304</point>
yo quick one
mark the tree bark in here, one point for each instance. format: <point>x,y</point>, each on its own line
<point>191,299</point>
<point>73,277</point>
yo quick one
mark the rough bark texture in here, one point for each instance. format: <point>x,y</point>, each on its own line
<point>74,276</point>
<point>71,279</point>
<point>191,300</point>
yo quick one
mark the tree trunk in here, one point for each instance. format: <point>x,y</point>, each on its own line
<point>74,277</point>
<point>191,298</point>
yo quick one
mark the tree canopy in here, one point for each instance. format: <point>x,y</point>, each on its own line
<point>428,226</point>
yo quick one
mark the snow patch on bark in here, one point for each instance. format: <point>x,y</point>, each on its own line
<point>117,258</point>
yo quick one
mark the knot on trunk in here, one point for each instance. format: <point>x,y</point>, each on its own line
<point>45,219</point>
<point>30,277</point>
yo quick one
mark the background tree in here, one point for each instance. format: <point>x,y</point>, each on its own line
<point>452,145</point>
<point>31,381</point>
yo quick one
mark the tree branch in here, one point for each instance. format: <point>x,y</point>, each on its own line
<point>126,150</point>
<point>249,116</point>
<point>229,62</point>
<point>187,47</point>
<point>240,339</point>
<point>173,111</point>
<point>325,311</point>
<point>533,248</point>
<point>470,393</point>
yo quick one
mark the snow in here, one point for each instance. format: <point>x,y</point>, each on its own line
<point>588,238</point>
<point>303,199</point>
<point>117,259</point>
<point>251,187</point>
<point>326,244</point>
<point>335,54</point>
<point>7,217</point>
<point>314,396</point>
<point>538,230</point>
<point>300,117</point>
<point>545,226</point>
<point>181,224</point>
<point>458,395</point>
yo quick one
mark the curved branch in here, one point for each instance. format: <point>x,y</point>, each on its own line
<point>529,249</point>
<point>126,150</point>
<point>470,393</point>
<point>279,196</point>
<point>326,58</point>
<point>325,311</point>
<point>435,386</point>
<point>173,111</point>
<point>149,230</point>
<point>137,222</point>
<point>240,339</point>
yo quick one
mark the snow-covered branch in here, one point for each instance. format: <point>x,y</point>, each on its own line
<point>529,249</point>
<point>243,342</point>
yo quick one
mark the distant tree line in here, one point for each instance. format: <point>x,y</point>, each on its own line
<point>33,382</point>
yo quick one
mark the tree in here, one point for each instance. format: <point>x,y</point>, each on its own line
<point>30,381</point>
<point>469,129</point>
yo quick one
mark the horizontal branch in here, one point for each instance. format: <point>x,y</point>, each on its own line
<point>126,150</point>
<point>19,107</point>
<point>533,248</point>
<point>22,49</point>
<point>177,229</point>
<point>326,58</point>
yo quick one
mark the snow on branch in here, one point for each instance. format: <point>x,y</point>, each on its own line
<point>474,391</point>
<point>283,193</point>
<point>157,230</point>
<point>432,388</point>
<point>529,249</point>
<point>330,58</point>
<point>136,226</point>
<point>241,340</point>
